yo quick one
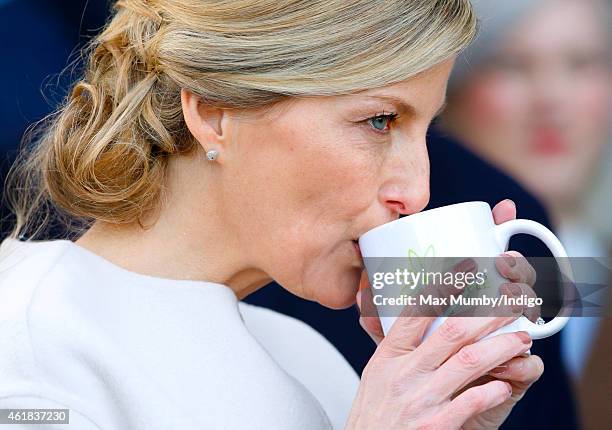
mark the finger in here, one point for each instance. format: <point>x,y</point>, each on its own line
<point>405,334</point>
<point>504,211</point>
<point>364,301</point>
<point>475,401</point>
<point>465,265</point>
<point>364,282</point>
<point>520,371</point>
<point>454,333</point>
<point>513,266</point>
<point>407,331</point>
<point>443,293</point>
<point>368,315</point>
<point>474,360</point>
<point>446,292</point>
<point>517,290</point>
<point>513,305</point>
<point>368,318</point>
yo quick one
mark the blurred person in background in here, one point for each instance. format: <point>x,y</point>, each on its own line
<point>532,96</point>
<point>50,33</point>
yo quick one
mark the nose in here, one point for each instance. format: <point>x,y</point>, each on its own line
<point>406,187</point>
<point>550,96</point>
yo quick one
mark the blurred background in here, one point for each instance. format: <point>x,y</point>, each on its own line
<point>532,98</point>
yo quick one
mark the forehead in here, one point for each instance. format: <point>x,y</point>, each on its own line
<point>428,84</point>
<point>562,23</point>
<point>423,92</point>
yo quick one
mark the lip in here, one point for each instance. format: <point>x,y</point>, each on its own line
<point>548,142</point>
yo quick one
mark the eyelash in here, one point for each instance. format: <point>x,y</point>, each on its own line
<point>392,117</point>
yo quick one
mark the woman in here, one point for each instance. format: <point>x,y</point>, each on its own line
<point>533,96</point>
<point>210,148</point>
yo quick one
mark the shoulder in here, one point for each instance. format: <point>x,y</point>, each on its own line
<point>291,335</point>
<point>23,268</point>
<point>27,262</point>
<point>307,356</point>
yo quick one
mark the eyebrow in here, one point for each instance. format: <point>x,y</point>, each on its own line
<point>405,106</point>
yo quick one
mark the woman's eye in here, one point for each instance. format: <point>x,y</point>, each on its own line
<point>382,122</point>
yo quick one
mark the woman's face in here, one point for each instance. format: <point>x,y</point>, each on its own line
<point>302,183</point>
<point>541,108</point>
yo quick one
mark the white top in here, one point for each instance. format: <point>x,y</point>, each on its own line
<point>123,350</point>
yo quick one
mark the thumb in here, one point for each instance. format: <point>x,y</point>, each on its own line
<point>368,318</point>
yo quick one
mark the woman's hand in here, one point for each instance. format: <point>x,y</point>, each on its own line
<point>448,380</point>
<point>521,371</point>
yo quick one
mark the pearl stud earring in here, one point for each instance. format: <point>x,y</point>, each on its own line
<point>212,155</point>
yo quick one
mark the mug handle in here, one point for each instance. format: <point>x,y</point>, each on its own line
<point>503,233</point>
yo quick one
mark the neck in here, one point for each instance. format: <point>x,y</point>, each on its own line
<point>564,212</point>
<point>188,238</point>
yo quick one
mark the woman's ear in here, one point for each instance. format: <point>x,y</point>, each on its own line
<point>208,125</point>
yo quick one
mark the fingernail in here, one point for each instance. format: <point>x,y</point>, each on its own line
<point>510,260</point>
<point>524,337</point>
<point>498,370</point>
<point>511,290</point>
<point>511,202</point>
<point>466,265</point>
<point>515,290</point>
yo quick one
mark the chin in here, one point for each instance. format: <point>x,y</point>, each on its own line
<point>340,289</point>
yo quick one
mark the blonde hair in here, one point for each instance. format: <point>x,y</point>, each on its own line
<point>102,155</point>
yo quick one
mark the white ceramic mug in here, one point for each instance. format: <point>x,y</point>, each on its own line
<point>462,230</point>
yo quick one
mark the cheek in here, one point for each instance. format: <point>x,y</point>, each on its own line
<point>335,187</point>
<point>587,122</point>
<point>592,103</point>
<point>305,188</point>
<point>334,175</point>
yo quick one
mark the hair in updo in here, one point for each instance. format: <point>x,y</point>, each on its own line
<point>102,155</point>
